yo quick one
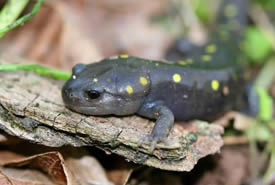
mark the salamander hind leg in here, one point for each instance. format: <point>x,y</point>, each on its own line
<point>163,125</point>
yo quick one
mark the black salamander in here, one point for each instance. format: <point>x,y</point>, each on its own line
<point>202,86</point>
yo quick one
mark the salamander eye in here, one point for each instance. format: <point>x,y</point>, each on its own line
<point>93,94</point>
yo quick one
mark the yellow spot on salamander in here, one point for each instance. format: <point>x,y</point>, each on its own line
<point>182,62</point>
<point>215,85</point>
<point>185,62</point>
<point>129,89</point>
<point>176,78</point>
<point>206,58</point>
<point>123,56</point>
<point>211,48</point>
<point>143,81</point>
<point>230,11</point>
<point>95,80</point>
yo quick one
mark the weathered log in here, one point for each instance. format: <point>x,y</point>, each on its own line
<point>31,108</point>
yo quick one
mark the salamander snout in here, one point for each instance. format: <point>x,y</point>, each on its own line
<point>70,95</point>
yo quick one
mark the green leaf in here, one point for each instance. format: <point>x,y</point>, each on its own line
<point>12,10</point>
<point>41,70</point>
<point>256,45</point>
<point>265,104</point>
<point>202,10</point>
<point>267,4</point>
<point>259,131</point>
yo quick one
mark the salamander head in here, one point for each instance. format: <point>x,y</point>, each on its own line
<point>105,88</point>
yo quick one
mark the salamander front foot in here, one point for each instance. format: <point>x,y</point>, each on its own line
<point>153,141</point>
<point>163,125</point>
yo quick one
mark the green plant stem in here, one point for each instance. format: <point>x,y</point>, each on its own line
<point>270,173</point>
<point>262,83</point>
<point>38,69</point>
<point>11,11</point>
<point>266,75</point>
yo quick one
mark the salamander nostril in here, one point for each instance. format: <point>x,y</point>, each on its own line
<point>68,92</point>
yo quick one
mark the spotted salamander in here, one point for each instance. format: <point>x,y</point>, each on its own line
<point>202,86</point>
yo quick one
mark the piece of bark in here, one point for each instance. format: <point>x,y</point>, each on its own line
<point>31,108</point>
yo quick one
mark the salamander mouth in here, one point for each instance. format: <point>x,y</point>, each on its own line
<point>81,109</point>
<point>87,110</point>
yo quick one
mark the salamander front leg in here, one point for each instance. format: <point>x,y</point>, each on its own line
<point>163,125</point>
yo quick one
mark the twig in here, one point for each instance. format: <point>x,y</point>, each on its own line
<point>11,11</point>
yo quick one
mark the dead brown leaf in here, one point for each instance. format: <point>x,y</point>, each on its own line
<point>86,31</point>
<point>50,41</point>
<point>229,170</point>
<point>8,139</point>
<point>3,138</point>
<point>120,170</point>
<point>5,180</point>
<point>87,170</point>
<point>26,162</point>
<point>8,156</point>
<point>51,163</point>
